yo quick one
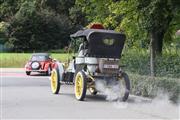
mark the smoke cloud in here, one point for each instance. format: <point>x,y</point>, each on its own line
<point>158,106</point>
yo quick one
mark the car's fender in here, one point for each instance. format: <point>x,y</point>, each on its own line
<point>60,67</point>
<point>27,65</point>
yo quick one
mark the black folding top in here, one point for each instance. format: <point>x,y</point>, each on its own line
<point>88,32</point>
<point>102,43</point>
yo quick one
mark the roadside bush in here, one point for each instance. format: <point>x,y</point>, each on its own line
<point>138,62</point>
<point>150,87</point>
<point>167,70</point>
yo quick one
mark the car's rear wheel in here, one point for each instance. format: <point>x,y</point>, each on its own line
<point>55,81</point>
<point>28,72</point>
<point>125,86</point>
<point>80,85</point>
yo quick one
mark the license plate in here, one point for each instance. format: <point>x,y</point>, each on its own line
<point>111,66</point>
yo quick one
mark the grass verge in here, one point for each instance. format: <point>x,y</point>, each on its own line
<point>16,60</point>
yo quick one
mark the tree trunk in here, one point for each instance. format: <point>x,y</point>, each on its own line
<point>152,54</point>
<point>159,42</point>
<point>156,44</point>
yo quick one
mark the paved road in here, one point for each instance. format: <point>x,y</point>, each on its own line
<point>30,97</point>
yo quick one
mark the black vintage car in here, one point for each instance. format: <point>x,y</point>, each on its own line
<point>96,60</point>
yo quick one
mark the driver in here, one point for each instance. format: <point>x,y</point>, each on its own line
<point>83,49</point>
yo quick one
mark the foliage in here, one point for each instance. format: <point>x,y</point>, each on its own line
<point>35,23</point>
<point>8,9</point>
<point>137,18</point>
<point>137,61</point>
<point>150,87</point>
<point>3,32</point>
<point>134,17</point>
<point>145,22</point>
<point>46,31</point>
<point>77,17</point>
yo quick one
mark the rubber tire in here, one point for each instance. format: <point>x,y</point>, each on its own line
<point>58,82</point>
<point>127,85</point>
<point>28,73</point>
<point>84,80</point>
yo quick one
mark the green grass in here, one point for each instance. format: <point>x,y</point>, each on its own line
<point>11,60</point>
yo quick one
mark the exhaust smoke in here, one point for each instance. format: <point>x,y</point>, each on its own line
<point>158,106</point>
<point>110,88</point>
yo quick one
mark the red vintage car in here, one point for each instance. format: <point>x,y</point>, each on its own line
<point>40,62</point>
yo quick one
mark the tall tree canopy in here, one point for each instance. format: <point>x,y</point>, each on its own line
<point>140,19</point>
<point>38,24</point>
<point>145,22</point>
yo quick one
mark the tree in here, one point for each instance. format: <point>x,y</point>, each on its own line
<point>140,19</point>
<point>77,17</point>
<point>3,32</point>
<point>8,9</point>
<point>58,6</point>
<point>156,17</point>
<point>31,29</point>
<point>35,23</point>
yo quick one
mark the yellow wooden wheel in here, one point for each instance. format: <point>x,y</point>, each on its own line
<point>80,86</point>
<point>55,83</point>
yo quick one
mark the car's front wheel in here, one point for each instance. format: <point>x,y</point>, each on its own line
<point>55,81</point>
<point>80,85</point>
<point>28,72</point>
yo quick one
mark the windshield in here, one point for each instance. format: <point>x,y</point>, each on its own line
<point>39,58</point>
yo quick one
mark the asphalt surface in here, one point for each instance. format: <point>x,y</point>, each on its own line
<point>30,97</point>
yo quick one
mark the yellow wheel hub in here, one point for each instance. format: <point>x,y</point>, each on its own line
<point>54,81</point>
<point>78,85</point>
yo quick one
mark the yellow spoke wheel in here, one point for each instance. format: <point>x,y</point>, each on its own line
<point>55,81</point>
<point>80,86</point>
